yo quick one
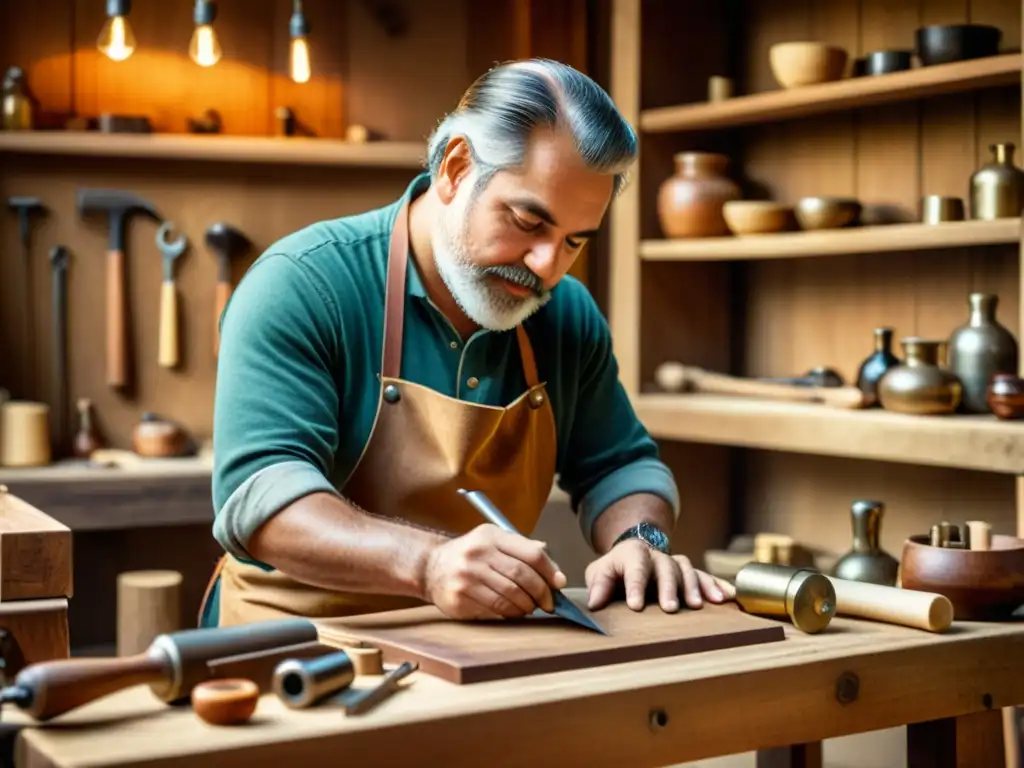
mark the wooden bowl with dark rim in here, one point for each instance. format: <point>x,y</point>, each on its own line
<point>983,585</point>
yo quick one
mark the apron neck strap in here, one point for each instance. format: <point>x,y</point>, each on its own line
<point>394,306</point>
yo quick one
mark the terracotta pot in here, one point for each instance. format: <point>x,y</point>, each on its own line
<point>920,385</point>
<point>690,201</point>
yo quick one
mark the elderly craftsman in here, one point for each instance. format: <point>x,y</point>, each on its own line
<point>372,365</point>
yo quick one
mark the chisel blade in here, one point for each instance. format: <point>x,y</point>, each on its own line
<point>567,609</point>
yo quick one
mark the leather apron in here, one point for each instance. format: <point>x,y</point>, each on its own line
<point>423,447</point>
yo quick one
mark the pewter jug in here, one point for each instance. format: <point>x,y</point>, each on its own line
<point>997,188</point>
<point>979,349</point>
<point>866,560</point>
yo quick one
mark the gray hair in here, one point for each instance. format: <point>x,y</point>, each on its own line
<point>500,110</point>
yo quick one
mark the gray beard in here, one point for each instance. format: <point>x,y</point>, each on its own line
<point>486,304</point>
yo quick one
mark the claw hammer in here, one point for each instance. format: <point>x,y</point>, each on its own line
<point>118,205</point>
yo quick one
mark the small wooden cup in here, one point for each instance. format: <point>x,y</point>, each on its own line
<point>229,701</point>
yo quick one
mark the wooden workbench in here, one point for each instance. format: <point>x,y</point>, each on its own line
<point>647,713</point>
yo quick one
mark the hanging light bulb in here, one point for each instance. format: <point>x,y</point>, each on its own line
<point>299,59</point>
<point>204,48</point>
<point>116,40</point>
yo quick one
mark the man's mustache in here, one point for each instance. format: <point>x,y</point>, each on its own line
<point>520,276</point>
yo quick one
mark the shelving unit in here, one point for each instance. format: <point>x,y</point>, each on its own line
<point>877,239</point>
<point>829,97</point>
<point>963,442</point>
<point>217,148</point>
<point>713,301</point>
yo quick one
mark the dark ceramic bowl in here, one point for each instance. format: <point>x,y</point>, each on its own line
<point>884,62</point>
<point>945,43</point>
<point>1005,396</point>
<point>983,585</point>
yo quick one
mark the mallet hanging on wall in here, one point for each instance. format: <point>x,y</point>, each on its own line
<point>117,205</point>
<point>227,244</point>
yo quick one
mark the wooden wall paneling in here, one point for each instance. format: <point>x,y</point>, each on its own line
<point>402,86</point>
<point>264,202</point>
<point>36,36</point>
<point>686,307</point>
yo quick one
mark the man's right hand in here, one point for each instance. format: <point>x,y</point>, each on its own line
<point>489,573</point>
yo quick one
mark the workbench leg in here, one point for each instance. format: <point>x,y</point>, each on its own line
<point>970,741</point>
<point>797,756</point>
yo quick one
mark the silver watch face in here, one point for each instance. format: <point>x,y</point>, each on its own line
<point>649,534</point>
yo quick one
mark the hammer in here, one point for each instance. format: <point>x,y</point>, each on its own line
<point>24,207</point>
<point>118,205</point>
<point>226,243</point>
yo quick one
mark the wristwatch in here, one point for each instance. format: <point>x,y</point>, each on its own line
<point>648,533</point>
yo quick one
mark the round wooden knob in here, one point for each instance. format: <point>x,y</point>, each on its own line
<point>225,702</point>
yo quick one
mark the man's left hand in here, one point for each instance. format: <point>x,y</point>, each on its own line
<point>635,565</point>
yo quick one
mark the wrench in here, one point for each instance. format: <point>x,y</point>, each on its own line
<point>168,355</point>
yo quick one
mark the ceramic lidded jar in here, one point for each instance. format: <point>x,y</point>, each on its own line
<point>690,201</point>
<point>979,349</point>
<point>876,365</point>
<point>920,385</point>
<point>997,188</point>
<point>866,560</point>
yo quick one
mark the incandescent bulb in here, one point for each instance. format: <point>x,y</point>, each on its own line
<point>116,39</point>
<point>300,60</point>
<point>204,47</point>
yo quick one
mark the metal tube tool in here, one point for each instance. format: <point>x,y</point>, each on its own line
<point>564,607</point>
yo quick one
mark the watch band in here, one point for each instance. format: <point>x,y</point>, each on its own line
<point>648,533</point>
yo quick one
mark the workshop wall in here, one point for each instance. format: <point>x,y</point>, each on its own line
<point>397,84</point>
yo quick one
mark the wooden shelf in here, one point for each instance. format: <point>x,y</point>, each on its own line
<point>215,148</point>
<point>962,442</point>
<point>787,245</point>
<point>851,93</point>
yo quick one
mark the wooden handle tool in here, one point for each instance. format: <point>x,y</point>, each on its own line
<point>168,353</point>
<point>893,605</point>
<point>701,380</point>
<point>117,364</point>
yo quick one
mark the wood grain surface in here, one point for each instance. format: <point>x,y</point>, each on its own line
<point>473,652</point>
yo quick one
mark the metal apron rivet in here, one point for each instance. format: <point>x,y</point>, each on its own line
<point>536,399</point>
<point>391,394</point>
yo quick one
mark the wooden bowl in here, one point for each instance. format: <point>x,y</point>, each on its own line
<point>827,212</point>
<point>1005,396</point>
<point>796,64</point>
<point>755,217</point>
<point>983,585</point>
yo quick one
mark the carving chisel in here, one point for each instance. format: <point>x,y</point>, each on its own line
<point>564,607</point>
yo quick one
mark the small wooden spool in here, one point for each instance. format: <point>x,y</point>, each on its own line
<point>979,534</point>
<point>25,433</point>
<point>365,660</point>
<point>230,701</point>
<point>148,604</point>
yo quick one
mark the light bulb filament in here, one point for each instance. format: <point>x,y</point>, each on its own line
<point>116,40</point>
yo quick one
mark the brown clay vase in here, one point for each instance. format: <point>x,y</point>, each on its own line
<point>690,201</point>
<point>1006,396</point>
<point>920,385</point>
<point>979,349</point>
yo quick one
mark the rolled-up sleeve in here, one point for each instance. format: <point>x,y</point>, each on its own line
<point>275,427</point>
<point>609,454</point>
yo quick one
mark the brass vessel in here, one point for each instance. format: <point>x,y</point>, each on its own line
<point>803,595</point>
<point>866,560</point>
<point>979,349</point>
<point>936,209</point>
<point>997,188</point>
<point>18,106</point>
<point>920,385</point>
